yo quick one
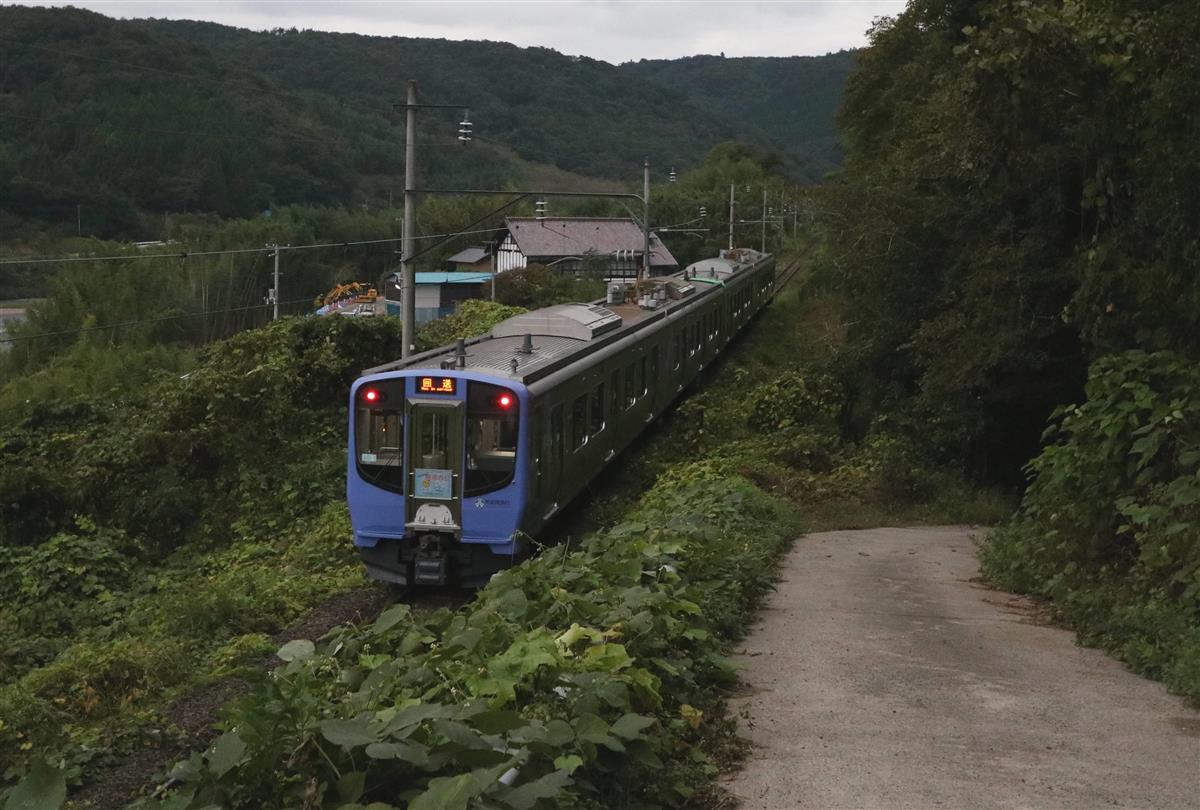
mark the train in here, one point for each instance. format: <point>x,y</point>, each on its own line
<point>459,456</point>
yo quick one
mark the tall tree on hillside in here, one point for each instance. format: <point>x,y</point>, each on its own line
<point>1017,184</point>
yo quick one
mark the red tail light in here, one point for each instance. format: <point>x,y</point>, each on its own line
<point>504,401</point>
<point>372,396</point>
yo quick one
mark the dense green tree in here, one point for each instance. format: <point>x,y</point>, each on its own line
<point>1016,194</point>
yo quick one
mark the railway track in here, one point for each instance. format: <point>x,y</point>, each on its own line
<point>787,275</point>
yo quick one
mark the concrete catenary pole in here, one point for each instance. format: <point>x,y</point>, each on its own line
<point>764,221</point>
<point>731,216</point>
<point>645,220</point>
<point>408,304</point>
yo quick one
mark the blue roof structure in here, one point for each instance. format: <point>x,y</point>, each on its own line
<point>452,278</point>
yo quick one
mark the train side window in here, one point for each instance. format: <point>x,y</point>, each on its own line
<point>653,378</point>
<point>556,436</point>
<point>614,386</point>
<point>579,434</point>
<point>643,385</point>
<point>630,396</point>
<point>678,350</point>
<point>597,410</point>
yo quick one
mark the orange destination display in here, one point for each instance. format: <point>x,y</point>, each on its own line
<point>436,385</point>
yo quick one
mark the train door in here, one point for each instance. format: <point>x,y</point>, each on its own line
<point>552,461</point>
<point>435,466</point>
<point>539,455</point>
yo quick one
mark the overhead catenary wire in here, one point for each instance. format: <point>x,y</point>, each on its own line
<point>194,254</point>
<point>257,138</point>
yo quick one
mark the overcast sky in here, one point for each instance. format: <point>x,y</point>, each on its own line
<point>613,30</point>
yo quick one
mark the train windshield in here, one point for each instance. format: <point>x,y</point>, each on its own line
<point>491,438</point>
<point>379,431</point>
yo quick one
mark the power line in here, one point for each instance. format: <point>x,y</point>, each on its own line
<point>226,137</point>
<point>188,254</point>
<point>147,320</point>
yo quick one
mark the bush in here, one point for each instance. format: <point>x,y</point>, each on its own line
<point>795,398</point>
<point>1110,525</point>
<point>579,678</point>
<point>535,286</point>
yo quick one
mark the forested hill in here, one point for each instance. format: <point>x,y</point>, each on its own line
<point>104,121</point>
<point>791,99</point>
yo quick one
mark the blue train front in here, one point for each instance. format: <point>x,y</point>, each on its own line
<point>434,480</point>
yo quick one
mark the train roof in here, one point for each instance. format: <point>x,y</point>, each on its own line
<point>528,346</point>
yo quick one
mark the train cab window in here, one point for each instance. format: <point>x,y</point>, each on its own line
<point>579,435</point>
<point>596,409</point>
<point>379,434</point>
<point>492,420</point>
<point>630,390</point>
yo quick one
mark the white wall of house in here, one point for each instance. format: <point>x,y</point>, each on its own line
<point>509,256</point>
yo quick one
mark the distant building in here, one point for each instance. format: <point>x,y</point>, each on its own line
<point>614,246</point>
<point>472,260</point>
<point>437,293</point>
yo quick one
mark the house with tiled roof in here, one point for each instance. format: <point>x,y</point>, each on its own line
<point>574,244</point>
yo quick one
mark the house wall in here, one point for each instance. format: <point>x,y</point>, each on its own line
<point>509,256</point>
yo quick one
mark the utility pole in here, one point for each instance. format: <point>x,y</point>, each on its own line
<point>731,216</point>
<point>645,220</point>
<point>764,221</point>
<point>408,304</point>
<point>275,290</point>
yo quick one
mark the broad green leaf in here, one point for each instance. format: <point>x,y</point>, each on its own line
<point>410,716</point>
<point>390,618</point>
<point>449,793</point>
<point>568,762</point>
<point>43,787</point>
<point>350,786</point>
<point>631,726</point>
<point>497,722</point>
<point>413,753</point>
<point>297,650</point>
<point>225,753</point>
<point>547,787</point>
<point>607,657</point>
<point>349,733</point>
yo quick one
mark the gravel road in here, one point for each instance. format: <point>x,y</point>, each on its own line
<point>883,675</point>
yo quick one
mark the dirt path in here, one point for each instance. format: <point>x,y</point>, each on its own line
<point>882,675</point>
